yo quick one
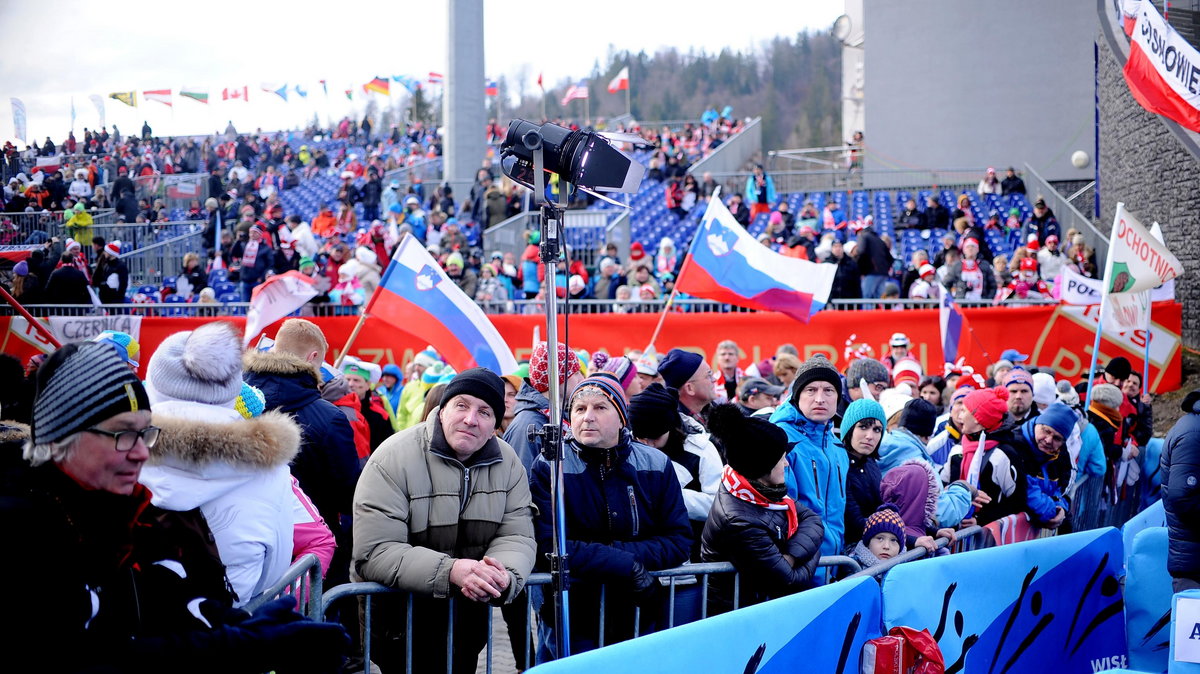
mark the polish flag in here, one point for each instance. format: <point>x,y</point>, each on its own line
<point>620,82</point>
<point>1163,69</point>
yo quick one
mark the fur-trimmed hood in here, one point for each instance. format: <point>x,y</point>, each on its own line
<point>262,442</point>
<point>197,462</point>
<point>13,432</point>
<point>278,363</point>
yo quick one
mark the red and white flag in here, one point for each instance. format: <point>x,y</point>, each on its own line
<point>275,298</point>
<point>577,90</point>
<point>620,82</point>
<point>161,95</point>
<point>540,86</point>
<point>1163,69</point>
<point>235,93</point>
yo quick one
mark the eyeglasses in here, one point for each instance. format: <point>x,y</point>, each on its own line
<point>125,440</point>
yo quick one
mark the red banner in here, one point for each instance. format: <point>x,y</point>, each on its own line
<point>1057,337</point>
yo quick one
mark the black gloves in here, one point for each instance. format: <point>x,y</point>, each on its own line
<point>291,643</point>
<point>645,587</point>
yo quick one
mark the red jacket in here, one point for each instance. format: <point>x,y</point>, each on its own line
<point>362,432</point>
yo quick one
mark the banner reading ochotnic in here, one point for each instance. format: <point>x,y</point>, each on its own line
<point>1136,260</point>
<point>1163,70</point>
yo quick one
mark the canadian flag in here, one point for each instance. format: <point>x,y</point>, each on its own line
<point>620,82</point>
<point>235,93</point>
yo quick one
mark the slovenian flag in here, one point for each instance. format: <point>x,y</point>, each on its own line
<point>952,323</point>
<point>416,296</point>
<point>726,264</point>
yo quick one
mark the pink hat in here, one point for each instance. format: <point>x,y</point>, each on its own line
<point>988,406</point>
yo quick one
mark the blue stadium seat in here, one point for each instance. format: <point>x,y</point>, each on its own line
<point>226,298</point>
<point>225,288</point>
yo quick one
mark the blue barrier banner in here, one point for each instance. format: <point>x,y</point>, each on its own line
<point>1148,599</point>
<point>1185,633</point>
<point>1153,516</point>
<point>821,630</point>
<point>1050,605</point>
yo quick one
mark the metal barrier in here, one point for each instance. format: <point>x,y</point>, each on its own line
<point>670,578</point>
<point>733,154</point>
<point>585,231</point>
<point>154,262</point>
<point>1068,216</point>
<point>302,580</point>
<point>428,170</point>
<point>19,228</point>
<point>150,265</point>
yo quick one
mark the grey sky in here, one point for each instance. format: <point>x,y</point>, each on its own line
<point>71,47</point>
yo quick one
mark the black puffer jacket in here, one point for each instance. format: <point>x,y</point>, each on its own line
<point>862,494</point>
<point>755,539</point>
<point>1180,464</point>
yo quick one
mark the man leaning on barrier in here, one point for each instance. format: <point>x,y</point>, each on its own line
<point>105,581</point>
<point>442,511</point>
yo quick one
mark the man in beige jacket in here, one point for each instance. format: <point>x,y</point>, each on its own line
<point>443,511</point>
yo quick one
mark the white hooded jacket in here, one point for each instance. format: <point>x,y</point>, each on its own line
<point>236,471</point>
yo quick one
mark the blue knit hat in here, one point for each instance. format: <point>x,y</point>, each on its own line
<point>611,390</point>
<point>860,409</point>
<point>679,366</point>
<point>1059,417</point>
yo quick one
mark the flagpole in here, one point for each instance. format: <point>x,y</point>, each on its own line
<point>1146,355</point>
<point>628,104</point>
<point>353,336</point>
<point>716,194</point>
<point>36,324</point>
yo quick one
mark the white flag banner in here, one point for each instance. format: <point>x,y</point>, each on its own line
<point>1136,260</point>
<point>275,298</point>
<point>67,329</point>
<point>1080,290</point>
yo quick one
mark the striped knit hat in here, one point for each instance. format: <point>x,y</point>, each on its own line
<point>611,390</point>
<point>81,385</point>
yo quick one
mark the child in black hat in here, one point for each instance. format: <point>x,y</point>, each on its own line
<point>772,541</point>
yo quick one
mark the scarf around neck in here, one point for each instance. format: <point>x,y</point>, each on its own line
<point>741,488</point>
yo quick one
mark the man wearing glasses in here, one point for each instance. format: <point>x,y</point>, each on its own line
<point>101,581</point>
<point>693,378</point>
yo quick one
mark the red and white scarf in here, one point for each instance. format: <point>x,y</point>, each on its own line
<point>741,488</point>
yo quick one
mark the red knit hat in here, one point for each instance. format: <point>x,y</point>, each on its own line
<point>539,366</point>
<point>988,406</point>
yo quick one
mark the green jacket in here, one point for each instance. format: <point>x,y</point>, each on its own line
<point>412,403</point>
<point>417,509</point>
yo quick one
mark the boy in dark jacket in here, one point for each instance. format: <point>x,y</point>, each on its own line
<point>772,541</point>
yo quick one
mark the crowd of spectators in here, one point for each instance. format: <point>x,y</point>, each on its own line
<point>426,480</point>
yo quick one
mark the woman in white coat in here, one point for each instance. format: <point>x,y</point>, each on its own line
<point>235,470</point>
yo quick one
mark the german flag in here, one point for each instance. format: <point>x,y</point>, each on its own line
<point>379,85</point>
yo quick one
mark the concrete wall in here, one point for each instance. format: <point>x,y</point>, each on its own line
<point>976,83</point>
<point>1152,167</point>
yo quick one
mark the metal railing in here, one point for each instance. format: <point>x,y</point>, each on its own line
<point>153,263</point>
<point>834,180</point>
<point>971,538</point>
<point>167,257</point>
<point>303,581</point>
<point>428,170</point>
<point>733,154</point>
<point>585,231</point>
<point>39,227</point>
<point>672,579</point>
<point>1068,216</point>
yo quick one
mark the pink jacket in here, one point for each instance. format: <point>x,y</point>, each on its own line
<point>309,532</point>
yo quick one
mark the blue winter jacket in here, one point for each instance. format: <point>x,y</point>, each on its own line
<point>899,446</point>
<point>816,475</point>
<point>1043,493</point>
<point>1091,452</point>
<point>752,190</point>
